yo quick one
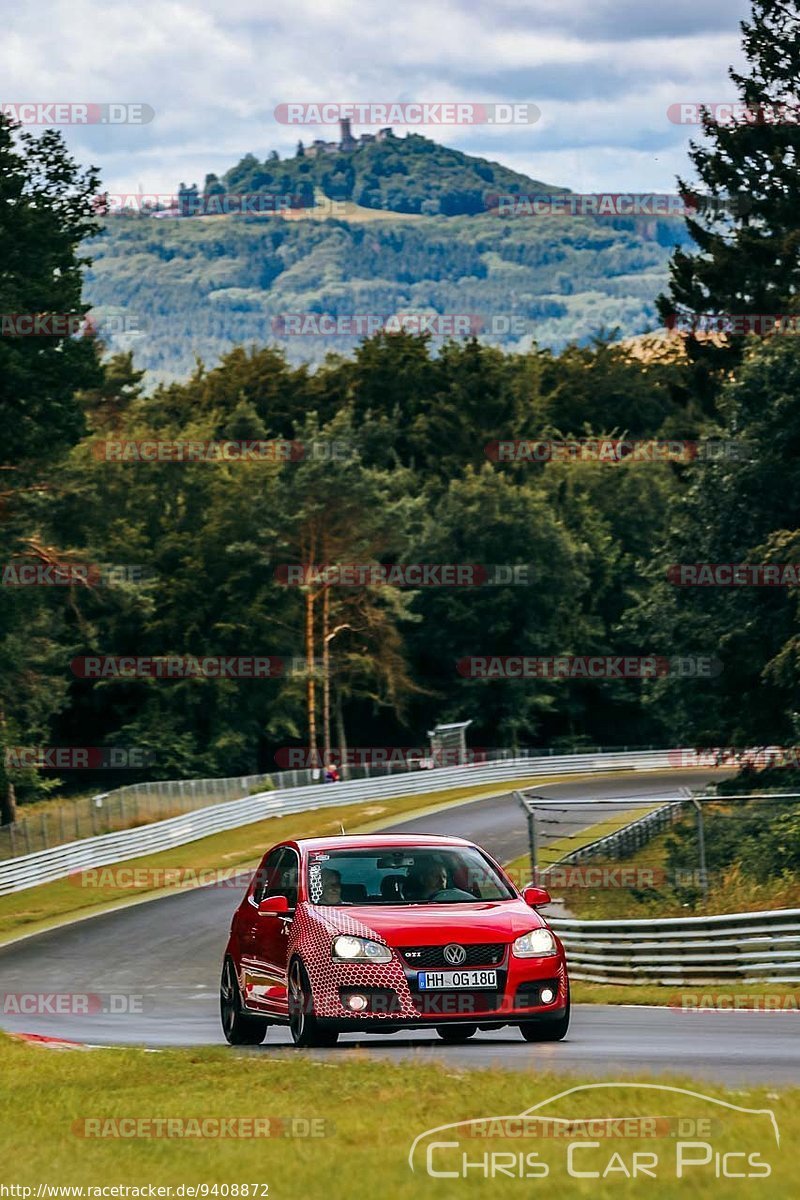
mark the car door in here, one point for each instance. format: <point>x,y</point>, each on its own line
<point>266,934</point>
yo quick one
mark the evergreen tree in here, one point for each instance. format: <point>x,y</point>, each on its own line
<point>45,212</point>
<point>746,230</point>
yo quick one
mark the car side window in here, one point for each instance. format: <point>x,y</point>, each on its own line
<point>287,875</point>
<point>267,874</point>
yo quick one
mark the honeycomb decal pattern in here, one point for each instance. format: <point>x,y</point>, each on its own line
<point>313,929</point>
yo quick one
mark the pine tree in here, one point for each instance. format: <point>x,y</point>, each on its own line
<point>46,212</point>
<point>746,228</point>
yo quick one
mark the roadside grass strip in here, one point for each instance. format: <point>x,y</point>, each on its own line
<point>289,1125</point>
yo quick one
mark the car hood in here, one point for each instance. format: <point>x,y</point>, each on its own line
<point>423,924</point>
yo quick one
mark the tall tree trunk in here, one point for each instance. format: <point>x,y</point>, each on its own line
<point>340,737</point>
<point>326,675</point>
<point>8,796</point>
<point>311,687</point>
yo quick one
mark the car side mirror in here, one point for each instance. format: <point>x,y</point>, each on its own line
<point>273,905</point>
<point>536,896</point>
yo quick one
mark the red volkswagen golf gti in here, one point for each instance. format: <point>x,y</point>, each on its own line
<point>376,934</point>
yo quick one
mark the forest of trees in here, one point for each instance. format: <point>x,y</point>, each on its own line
<point>177,290</point>
<point>405,175</point>
<point>414,483</point>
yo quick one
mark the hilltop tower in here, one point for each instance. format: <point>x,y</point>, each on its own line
<point>347,142</point>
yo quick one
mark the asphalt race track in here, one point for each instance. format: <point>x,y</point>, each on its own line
<point>162,958</point>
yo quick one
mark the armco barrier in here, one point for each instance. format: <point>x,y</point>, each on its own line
<point>39,827</point>
<point>739,948</point>
<point>629,838</point>
<point>58,861</point>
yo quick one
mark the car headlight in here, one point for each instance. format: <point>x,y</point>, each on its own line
<point>358,949</point>
<point>536,944</point>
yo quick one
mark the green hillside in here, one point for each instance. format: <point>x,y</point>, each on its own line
<point>405,175</point>
<point>199,286</point>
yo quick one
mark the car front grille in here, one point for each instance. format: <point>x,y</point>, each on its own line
<point>479,954</point>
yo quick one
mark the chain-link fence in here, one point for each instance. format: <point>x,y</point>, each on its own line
<point>54,823</point>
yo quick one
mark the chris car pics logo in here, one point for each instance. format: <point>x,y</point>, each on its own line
<point>608,1131</point>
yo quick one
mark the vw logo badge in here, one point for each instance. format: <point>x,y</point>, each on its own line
<point>454,954</point>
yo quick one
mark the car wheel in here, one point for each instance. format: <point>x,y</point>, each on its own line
<point>546,1030</point>
<point>303,1024</point>
<point>453,1034</point>
<point>240,1028</point>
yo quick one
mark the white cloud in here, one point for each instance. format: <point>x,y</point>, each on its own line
<point>214,71</point>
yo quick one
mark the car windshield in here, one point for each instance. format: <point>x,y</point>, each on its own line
<point>386,875</point>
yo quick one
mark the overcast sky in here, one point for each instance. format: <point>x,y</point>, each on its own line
<point>603,75</point>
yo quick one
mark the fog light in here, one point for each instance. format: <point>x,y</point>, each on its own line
<point>547,995</point>
<point>357,1003</point>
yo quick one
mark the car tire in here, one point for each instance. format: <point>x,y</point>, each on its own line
<point>303,1024</point>
<point>546,1030</point>
<point>453,1034</point>
<point>240,1028</point>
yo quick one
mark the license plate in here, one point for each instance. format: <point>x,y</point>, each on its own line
<point>442,980</point>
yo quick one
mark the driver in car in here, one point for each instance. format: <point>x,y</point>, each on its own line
<point>331,886</point>
<point>427,880</point>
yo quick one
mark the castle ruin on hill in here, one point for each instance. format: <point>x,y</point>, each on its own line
<point>347,143</point>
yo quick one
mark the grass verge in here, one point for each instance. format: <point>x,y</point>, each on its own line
<point>369,1114</point>
<point>722,995</point>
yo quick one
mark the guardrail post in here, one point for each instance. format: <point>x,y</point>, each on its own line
<point>530,813</point>
<point>701,847</point>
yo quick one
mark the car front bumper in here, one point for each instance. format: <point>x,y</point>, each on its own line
<point>395,1000</point>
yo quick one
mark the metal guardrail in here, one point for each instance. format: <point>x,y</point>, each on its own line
<point>629,838</point>
<point>39,827</point>
<point>43,866</point>
<point>678,951</point>
<point>742,948</point>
